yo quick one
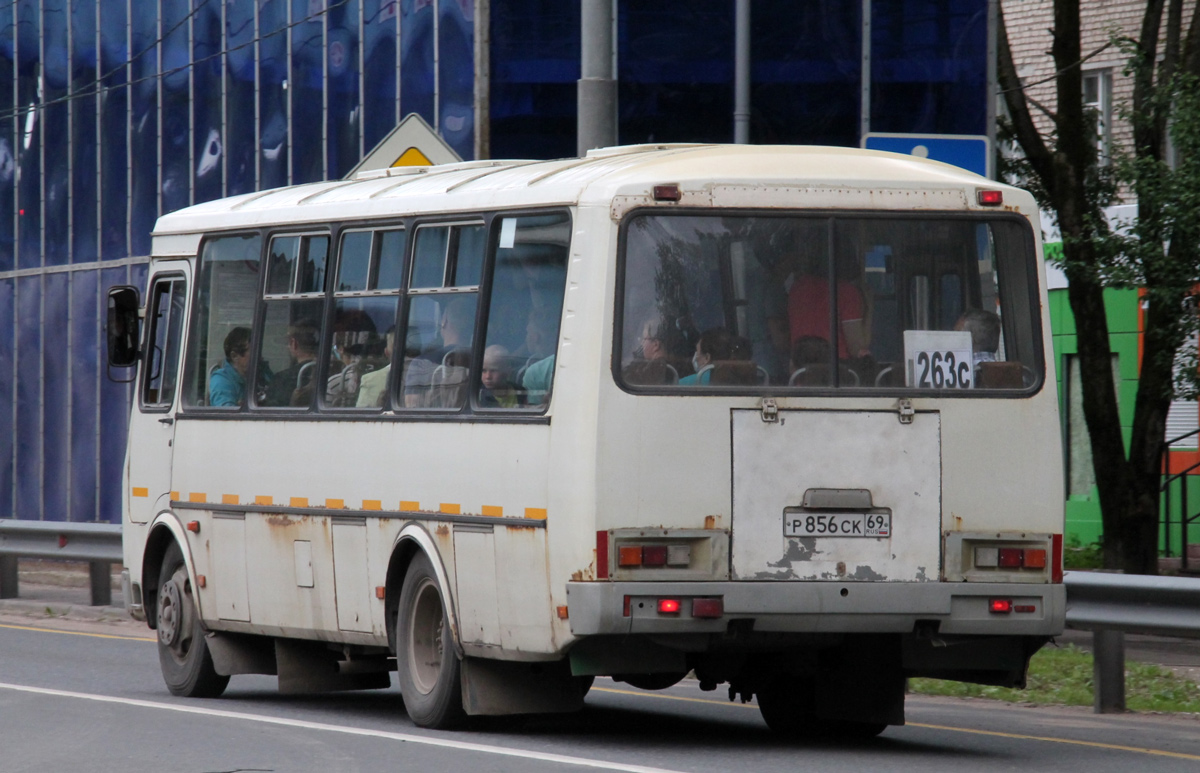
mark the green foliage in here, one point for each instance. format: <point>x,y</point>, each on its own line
<point>1063,676</point>
<point>1078,556</point>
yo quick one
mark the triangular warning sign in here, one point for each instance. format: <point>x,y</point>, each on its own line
<point>412,143</point>
<point>413,157</point>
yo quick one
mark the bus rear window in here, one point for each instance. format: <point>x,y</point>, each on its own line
<point>755,302</point>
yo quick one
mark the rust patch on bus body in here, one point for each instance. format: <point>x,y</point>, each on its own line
<point>282,520</point>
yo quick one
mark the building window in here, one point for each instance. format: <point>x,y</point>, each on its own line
<point>1097,100</point>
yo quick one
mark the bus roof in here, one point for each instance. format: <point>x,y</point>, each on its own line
<point>598,177</point>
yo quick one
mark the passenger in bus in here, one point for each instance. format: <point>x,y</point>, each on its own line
<point>540,328</point>
<point>984,327</point>
<point>649,365</point>
<point>294,385</point>
<point>353,338</point>
<point>372,389</point>
<point>498,389</point>
<point>536,381</point>
<point>714,346</point>
<point>809,312</point>
<point>438,378</point>
<point>227,384</point>
<point>739,369</point>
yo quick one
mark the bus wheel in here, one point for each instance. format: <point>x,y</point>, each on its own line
<point>427,665</point>
<point>186,663</point>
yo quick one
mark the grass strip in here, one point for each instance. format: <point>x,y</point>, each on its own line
<point>1063,676</point>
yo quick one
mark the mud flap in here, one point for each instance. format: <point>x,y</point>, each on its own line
<point>309,666</point>
<point>865,683</point>
<point>497,687</point>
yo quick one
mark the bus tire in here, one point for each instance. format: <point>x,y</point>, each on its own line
<point>427,665</point>
<point>183,655</point>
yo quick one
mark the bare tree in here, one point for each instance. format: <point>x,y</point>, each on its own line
<point>1158,253</point>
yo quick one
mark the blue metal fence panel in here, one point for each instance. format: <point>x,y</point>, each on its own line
<point>56,390</point>
<point>85,382</point>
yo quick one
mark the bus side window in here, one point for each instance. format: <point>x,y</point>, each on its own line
<point>162,350</point>
<point>288,365</point>
<point>218,352</point>
<point>529,279</point>
<point>443,294</point>
<point>364,317</point>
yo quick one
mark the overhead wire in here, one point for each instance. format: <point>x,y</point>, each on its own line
<point>96,87</point>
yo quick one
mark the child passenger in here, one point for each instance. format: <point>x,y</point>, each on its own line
<point>498,389</point>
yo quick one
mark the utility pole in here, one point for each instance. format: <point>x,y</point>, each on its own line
<point>597,82</point>
<point>741,74</point>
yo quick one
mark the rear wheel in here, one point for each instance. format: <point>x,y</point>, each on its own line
<point>183,655</point>
<point>428,668</point>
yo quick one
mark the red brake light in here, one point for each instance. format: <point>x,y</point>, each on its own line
<point>1000,606</point>
<point>989,198</point>
<point>708,608</point>
<point>1010,557</point>
<point>1056,558</point>
<point>668,606</point>
<point>667,193</point>
<point>654,555</point>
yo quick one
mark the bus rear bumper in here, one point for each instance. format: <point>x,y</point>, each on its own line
<point>596,608</point>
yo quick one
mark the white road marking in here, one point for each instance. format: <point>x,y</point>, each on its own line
<point>302,724</point>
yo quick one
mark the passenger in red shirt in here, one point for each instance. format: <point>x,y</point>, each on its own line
<point>809,313</point>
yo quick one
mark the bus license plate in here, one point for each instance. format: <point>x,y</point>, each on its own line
<point>837,524</point>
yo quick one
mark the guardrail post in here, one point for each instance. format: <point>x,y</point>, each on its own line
<point>1108,671</point>
<point>8,577</point>
<point>100,573</point>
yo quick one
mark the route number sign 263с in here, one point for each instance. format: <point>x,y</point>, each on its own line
<point>938,359</point>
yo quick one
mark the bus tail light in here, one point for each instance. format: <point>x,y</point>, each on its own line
<point>1056,558</point>
<point>708,608</point>
<point>654,555</point>
<point>601,555</point>
<point>1034,558</point>
<point>1010,558</point>
<point>989,198</point>
<point>1000,606</point>
<point>629,555</point>
<point>668,606</point>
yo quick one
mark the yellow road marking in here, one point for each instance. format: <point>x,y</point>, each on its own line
<point>77,633</point>
<point>998,734</point>
<point>1093,744</point>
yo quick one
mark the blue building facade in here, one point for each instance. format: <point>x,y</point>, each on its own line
<point>113,112</point>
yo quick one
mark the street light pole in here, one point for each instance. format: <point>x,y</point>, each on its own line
<point>597,83</point>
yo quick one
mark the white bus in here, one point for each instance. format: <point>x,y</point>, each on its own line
<point>782,418</point>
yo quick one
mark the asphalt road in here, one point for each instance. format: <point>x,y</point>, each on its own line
<point>91,699</point>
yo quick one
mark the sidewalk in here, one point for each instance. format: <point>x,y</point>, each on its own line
<point>60,590</point>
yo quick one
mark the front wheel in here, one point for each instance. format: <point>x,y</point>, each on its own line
<point>187,665</point>
<point>427,666</point>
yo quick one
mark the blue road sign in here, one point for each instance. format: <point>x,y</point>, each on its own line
<point>970,152</point>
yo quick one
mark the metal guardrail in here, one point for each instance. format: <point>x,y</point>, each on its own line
<point>99,544</point>
<point>1112,605</point>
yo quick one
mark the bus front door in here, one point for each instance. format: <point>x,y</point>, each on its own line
<point>152,426</point>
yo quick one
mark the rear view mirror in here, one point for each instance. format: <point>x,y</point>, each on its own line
<point>122,326</point>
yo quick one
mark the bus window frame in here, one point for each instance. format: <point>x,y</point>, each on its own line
<point>394,410</point>
<point>407,293</point>
<point>148,331</point>
<point>1029,252</point>
<point>485,309</point>
<point>339,232</point>
<point>186,408</point>
<point>327,230</point>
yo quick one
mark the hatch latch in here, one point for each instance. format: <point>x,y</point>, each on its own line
<point>904,407</point>
<point>770,411</point>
